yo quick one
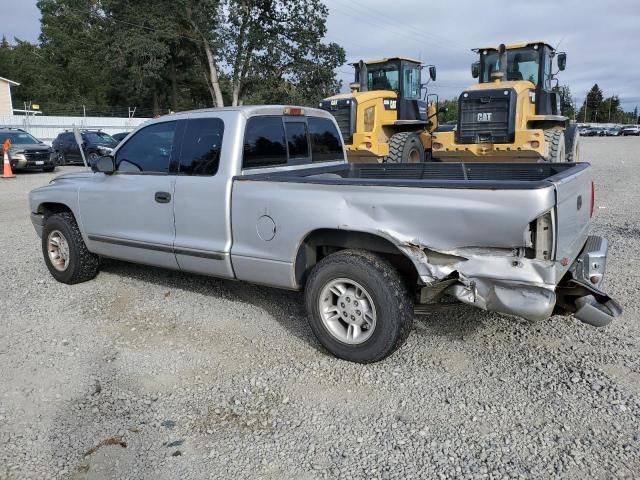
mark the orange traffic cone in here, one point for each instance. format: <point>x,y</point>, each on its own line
<point>7,172</point>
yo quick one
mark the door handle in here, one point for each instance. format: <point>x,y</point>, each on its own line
<point>163,197</point>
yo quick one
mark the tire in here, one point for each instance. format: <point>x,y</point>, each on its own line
<point>555,147</point>
<point>80,265</point>
<point>572,143</point>
<point>405,147</point>
<point>387,306</point>
<point>49,169</point>
<point>92,157</point>
<point>62,160</point>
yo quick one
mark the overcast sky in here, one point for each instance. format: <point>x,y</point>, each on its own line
<point>602,39</point>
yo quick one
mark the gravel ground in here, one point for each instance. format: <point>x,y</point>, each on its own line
<point>145,373</point>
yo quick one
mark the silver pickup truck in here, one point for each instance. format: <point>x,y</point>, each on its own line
<point>264,194</point>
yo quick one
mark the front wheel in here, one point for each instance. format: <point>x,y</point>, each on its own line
<point>358,305</point>
<point>555,146</point>
<point>572,143</point>
<point>405,147</point>
<point>65,253</point>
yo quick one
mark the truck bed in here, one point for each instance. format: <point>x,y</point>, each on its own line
<point>494,176</point>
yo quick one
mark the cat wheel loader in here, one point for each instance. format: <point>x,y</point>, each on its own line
<point>385,116</point>
<point>513,113</point>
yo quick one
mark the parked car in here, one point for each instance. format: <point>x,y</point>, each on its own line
<point>594,132</point>
<point>96,143</point>
<point>613,131</point>
<point>631,130</point>
<point>265,194</point>
<point>27,152</point>
<point>118,137</point>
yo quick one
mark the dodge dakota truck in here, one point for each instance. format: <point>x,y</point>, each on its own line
<point>264,194</point>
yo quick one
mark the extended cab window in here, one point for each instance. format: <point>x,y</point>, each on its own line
<point>326,145</point>
<point>264,143</point>
<point>297,139</point>
<point>200,152</point>
<point>149,150</point>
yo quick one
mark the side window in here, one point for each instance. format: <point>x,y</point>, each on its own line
<point>410,82</point>
<point>297,139</point>
<point>149,150</point>
<point>264,143</point>
<point>325,140</point>
<point>200,152</point>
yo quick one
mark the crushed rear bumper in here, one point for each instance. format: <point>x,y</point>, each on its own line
<point>580,292</point>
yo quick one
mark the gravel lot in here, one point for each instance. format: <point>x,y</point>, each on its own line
<point>145,373</point>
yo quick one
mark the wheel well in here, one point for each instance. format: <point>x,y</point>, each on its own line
<point>320,243</point>
<point>49,208</point>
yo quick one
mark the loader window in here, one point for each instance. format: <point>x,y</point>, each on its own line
<point>411,82</point>
<point>522,64</point>
<point>383,77</point>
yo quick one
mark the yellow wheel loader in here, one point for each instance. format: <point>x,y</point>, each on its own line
<point>513,113</point>
<point>385,116</point>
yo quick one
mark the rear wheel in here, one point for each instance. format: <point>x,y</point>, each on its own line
<point>405,147</point>
<point>62,160</point>
<point>359,307</point>
<point>572,143</point>
<point>555,147</point>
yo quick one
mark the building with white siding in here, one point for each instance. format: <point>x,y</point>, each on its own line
<point>6,105</point>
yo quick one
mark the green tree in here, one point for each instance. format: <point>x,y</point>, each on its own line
<point>258,43</point>
<point>592,108</point>
<point>566,102</point>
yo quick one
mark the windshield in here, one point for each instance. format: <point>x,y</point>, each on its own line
<point>522,64</point>
<point>383,77</point>
<point>98,137</point>
<point>19,138</point>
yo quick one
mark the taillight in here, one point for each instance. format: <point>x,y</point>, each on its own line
<point>593,199</point>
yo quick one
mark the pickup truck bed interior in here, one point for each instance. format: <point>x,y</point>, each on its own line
<point>500,176</point>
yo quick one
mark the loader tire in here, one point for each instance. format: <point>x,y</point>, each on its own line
<point>405,147</point>
<point>572,143</point>
<point>555,146</point>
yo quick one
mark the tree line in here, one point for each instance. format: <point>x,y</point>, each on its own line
<point>162,55</point>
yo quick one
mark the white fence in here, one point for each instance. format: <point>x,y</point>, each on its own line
<point>47,128</point>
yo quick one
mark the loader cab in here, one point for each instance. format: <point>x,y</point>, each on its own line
<point>532,62</point>
<point>400,75</point>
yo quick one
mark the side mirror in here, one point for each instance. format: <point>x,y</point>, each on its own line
<point>432,73</point>
<point>475,69</point>
<point>562,61</point>
<point>105,164</point>
<point>443,110</point>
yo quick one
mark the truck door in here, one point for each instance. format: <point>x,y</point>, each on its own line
<point>202,198</point>
<point>129,214</point>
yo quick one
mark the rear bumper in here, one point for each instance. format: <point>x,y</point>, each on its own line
<point>581,292</point>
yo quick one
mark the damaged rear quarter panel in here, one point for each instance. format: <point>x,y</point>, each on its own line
<point>437,219</point>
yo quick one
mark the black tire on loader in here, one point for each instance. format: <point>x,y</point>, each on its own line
<point>555,146</point>
<point>572,143</point>
<point>405,147</point>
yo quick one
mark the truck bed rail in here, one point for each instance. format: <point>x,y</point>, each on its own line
<point>499,176</point>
